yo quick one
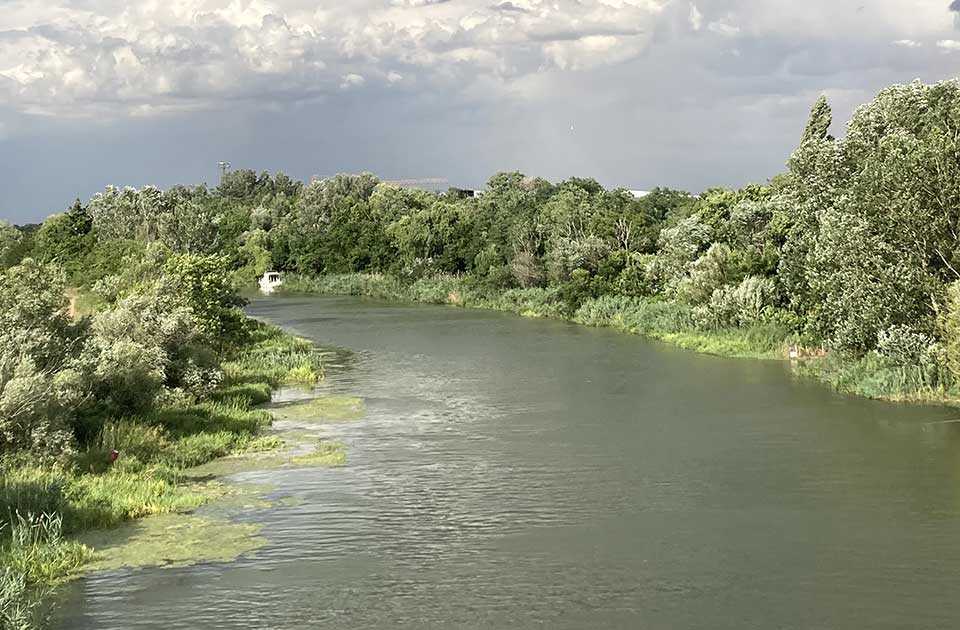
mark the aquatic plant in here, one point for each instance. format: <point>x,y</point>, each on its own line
<point>34,559</point>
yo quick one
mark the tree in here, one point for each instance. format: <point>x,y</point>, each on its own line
<point>190,227</point>
<point>128,213</point>
<point>875,225</point>
<point>332,227</point>
<point>10,238</point>
<point>204,283</point>
<point>66,239</point>
<point>40,384</point>
<point>818,124</point>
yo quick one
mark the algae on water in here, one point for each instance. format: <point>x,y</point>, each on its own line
<point>177,539</point>
<point>170,540</point>
<point>327,453</point>
<point>323,409</point>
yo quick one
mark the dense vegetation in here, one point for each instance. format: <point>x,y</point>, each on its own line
<point>851,252</point>
<point>101,414</point>
<point>850,257</point>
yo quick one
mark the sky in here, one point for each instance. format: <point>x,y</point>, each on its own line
<point>635,93</point>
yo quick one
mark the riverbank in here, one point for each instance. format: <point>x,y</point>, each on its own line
<point>138,467</point>
<point>871,375</point>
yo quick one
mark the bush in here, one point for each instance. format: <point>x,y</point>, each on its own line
<point>569,255</point>
<point>527,270</point>
<point>745,305</point>
<point>903,345</point>
<point>639,277</point>
<point>705,275</point>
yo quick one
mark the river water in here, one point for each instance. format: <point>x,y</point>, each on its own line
<point>522,473</point>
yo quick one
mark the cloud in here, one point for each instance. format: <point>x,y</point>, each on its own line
<point>351,80</point>
<point>722,28</point>
<point>955,6</point>
<point>416,3</point>
<point>659,90</point>
<point>696,18</point>
<point>108,56</point>
<point>509,6</point>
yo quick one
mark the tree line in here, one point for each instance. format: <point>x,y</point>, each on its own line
<point>854,248</point>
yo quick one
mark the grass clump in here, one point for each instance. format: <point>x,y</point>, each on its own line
<point>875,376</point>
<point>274,358</point>
<point>34,559</point>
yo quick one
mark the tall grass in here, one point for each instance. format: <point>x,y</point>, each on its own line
<point>875,376</point>
<point>271,358</point>
<point>671,322</point>
<point>373,285</point>
<point>34,558</point>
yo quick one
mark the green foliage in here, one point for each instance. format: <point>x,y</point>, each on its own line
<point>66,240</point>
<point>949,327</point>
<point>874,235</point>
<point>205,283</point>
<point>40,379</point>
<point>818,125</point>
<point>34,558</point>
<point>270,356</point>
<point>10,240</point>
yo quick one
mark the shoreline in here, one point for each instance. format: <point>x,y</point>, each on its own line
<point>94,514</point>
<point>865,376</point>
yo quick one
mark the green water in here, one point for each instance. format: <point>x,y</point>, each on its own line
<point>518,473</point>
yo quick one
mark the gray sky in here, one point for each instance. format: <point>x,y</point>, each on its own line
<point>636,93</point>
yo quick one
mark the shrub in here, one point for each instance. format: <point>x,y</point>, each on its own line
<point>705,275</point>
<point>639,277</point>
<point>569,255</point>
<point>527,270</point>
<point>903,345</point>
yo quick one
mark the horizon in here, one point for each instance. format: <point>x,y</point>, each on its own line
<point>634,93</point>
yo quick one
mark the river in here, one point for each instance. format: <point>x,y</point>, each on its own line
<point>524,473</point>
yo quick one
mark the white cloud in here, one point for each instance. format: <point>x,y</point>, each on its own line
<point>113,57</point>
<point>351,80</point>
<point>696,18</point>
<point>722,28</point>
<point>109,55</point>
<point>949,44</point>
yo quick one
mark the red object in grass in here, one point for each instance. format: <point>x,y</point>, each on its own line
<point>114,455</point>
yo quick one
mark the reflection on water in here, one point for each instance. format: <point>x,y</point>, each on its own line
<point>516,473</point>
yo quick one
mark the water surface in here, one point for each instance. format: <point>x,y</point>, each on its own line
<point>520,473</point>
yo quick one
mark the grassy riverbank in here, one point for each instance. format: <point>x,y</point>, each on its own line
<point>870,375</point>
<point>43,504</point>
<point>669,322</point>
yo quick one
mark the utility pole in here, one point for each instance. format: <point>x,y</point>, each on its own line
<point>224,167</point>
